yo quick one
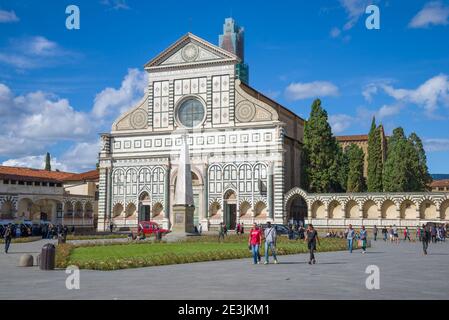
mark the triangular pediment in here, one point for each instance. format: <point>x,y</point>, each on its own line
<point>191,50</point>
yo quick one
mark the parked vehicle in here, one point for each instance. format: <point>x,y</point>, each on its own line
<point>150,227</point>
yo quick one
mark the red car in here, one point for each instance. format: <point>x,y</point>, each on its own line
<point>150,227</point>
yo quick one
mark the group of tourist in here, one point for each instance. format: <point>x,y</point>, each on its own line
<point>47,231</point>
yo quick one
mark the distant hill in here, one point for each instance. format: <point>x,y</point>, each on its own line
<point>437,176</point>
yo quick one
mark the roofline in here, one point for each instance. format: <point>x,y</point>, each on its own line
<point>262,97</point>
<point>186,36</point>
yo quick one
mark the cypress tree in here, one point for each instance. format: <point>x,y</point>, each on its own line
<point>47,162</point>
<point>356,181</point>
<point>320,152</point>
<point>395,174</point>
<point>375,163</point>
<point>343,169</point>
<point>420,173</point>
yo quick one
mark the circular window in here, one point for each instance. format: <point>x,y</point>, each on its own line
<point>191,113</point>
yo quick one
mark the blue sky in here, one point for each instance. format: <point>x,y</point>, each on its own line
<point>59,88</point>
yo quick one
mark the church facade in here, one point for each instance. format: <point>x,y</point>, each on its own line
<point>243,145</point>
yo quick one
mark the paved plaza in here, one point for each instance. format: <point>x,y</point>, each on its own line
<point>404,274</point>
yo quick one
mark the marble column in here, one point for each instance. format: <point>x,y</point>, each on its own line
<point>166,220</point>
<point>270,197</point>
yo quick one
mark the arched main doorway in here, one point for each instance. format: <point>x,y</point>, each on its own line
<point>296,210</point>
<point>230,209</point>
<point>144,207</point>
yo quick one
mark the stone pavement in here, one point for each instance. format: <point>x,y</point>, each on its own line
<point>404,274</point>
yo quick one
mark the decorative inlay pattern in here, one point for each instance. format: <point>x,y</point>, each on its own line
<point>190,53</point>
<point>245,111</point>
<point>139,119</point>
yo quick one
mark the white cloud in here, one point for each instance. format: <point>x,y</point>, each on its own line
<point>354,9</point>
<point>369,91</point>
<point>36,162</point>
<point>112,101</point>
<point>388,110</point>
<point>33,121</point>
<point>8,16</point>
<point>299,91</point>
<point>429,95</point>
<point>433,13</point>
<point>340,122</point>
<point>435,145</point>
<point>35,52</point>
<point>82,156</point>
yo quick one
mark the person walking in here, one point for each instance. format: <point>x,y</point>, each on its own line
<point>363,238</point>
<point>270,242</point>
<point>375,232</point>
<point>350,235</point>
<point>433,233</point>
<point>254,242</point>
<point>384,233</point>
<point>425,237</point>
<point>311,236</point>
<point>407,234</point>
<point>7,235</point>
<point>200,228</point>
<point>237,229</point>
<point>220,232</point>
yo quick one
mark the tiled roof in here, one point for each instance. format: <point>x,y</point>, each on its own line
<point>360,137</point>
<point>89,175</point>
<point>440,183</point>
<point>29,174</point>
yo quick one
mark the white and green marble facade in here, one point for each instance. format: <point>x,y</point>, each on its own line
<point>237,151</point>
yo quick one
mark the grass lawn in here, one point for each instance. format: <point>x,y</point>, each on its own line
<point>134,255</point>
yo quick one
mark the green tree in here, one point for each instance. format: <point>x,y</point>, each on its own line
<point>342,170</point>
<point>320,160</point>
<point>375,161</point>
<point>356,157</point>
<point>405,168</point>
<point>420,177</point>
<point>47,162</point>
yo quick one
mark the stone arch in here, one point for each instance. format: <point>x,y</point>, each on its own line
<point>428,210</point>
<point>157,210</point>
<point>318,209</point>
<point>68,208</point>
<point>25,208</point>
<point>117,210</point>
<point>335,210</point>
<point>352,209</point>
<point>79,211</point>
<point>388,209</point>
<point>131,210</point>
<point>88,209</point>
<point>7,210</point>
<point>260,209</point>
<point>197,177</point>
<point>296,205</point>
<point>245,209</point>
<point>215,209</point>
<point>407,209</point>
<point>370,209</point>
<point>444,210</point>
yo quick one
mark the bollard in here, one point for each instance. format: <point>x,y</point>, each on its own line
<point>48,257</point>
